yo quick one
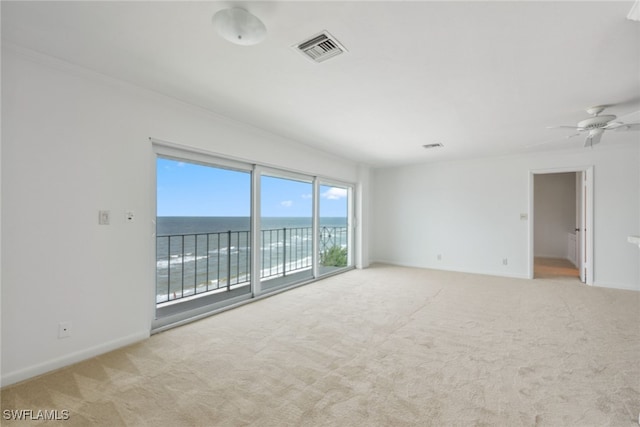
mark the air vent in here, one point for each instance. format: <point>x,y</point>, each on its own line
<point>320,47</point>
<point>427,146</point>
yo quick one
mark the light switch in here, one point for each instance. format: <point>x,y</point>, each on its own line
<point>104,217</point>
<point>524,216</point>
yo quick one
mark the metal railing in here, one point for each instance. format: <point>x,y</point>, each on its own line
<point>192,264</point>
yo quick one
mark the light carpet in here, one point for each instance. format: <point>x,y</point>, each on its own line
<point>385,346</point>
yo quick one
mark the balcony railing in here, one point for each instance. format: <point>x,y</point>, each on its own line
<point>192,264</point>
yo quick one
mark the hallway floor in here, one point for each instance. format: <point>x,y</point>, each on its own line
<point>547,268</point>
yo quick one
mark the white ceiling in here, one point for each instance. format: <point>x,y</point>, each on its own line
<point>483,78</point>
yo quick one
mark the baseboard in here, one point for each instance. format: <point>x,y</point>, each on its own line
<point>486,273</point>
<point>483,272</point>
<point>622,286</point>
<point>69,359</point>
<point>600,284</point>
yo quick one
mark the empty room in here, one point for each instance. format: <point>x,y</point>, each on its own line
<point>349,213</point>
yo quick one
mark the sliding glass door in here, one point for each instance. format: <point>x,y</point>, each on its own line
<point>227,231</point>
<point>335,248</point>
<point>286,231</point>
<point>203,236</point>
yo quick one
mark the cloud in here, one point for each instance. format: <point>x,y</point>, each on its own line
<point>171,167</point>
<point>306,196</point>
<point>335,193</point>
<point>286,203</point>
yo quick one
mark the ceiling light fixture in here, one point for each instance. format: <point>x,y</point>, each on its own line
<point>239,26</point>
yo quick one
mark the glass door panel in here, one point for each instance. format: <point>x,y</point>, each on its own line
<point>286,235</point>
<point>334,231</point>
<point>203,238</point>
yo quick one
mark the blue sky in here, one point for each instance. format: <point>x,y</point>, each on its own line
<point>187,189</point>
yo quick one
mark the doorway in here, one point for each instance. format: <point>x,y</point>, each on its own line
<point>561,232</point>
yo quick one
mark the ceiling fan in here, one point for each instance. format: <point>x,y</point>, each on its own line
<point>597,124</point>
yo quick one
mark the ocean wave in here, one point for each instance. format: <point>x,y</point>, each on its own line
<point>179,259</point>
<point>224,250</point>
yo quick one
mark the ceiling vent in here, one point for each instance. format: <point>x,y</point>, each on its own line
<point>428,146</point>
<point>321,47</point>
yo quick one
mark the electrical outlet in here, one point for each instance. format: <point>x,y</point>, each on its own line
<point>129,216</point>
<point>64,329</point>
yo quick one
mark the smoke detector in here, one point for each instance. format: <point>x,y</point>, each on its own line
<point>320,47</point>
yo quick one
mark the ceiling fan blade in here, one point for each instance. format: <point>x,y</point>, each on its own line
<point>562,127</point>
<point>596,139</point>
<point>631,115</point>
<point>592,140</point>
<point>613,125</point>
<point>627,126</point>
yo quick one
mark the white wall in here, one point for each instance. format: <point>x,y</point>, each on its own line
<point>74,143</point>
<point>554,213</point>
<point>469,212</point>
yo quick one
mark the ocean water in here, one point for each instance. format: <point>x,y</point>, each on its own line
<point>200,254</point>
<point>166,225</point>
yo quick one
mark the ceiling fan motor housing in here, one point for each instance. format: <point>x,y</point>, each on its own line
<point>596,122</point>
